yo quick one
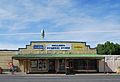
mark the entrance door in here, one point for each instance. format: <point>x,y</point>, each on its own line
<point>51,65</point>
<point>69,67</point>
<point>70,64</point>
<point>61,65</point>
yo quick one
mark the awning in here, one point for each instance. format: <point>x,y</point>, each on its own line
<point>57,56</point>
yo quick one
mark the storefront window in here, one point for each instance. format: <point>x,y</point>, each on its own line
<point>62,65</point>
<point>42,64</point>
<point>34,64</point>
<point>85,64</point>
<point>92,64</point>
<point>51,66</point>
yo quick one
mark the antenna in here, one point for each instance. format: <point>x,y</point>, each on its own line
<point>42,34</point>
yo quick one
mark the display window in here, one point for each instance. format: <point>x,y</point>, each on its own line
<point>34,63</point>
<point>42,65</point>
<point>62,65</point>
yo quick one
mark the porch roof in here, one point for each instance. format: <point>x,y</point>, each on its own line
<point>58,56</point>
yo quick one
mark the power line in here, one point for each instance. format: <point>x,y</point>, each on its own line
<point>51,33</point>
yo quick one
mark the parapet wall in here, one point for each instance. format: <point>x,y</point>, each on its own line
<point>54,47</point>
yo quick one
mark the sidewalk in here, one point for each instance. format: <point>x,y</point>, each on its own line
<point>81,74</point>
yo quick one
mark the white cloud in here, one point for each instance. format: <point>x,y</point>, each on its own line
<point>71,22</point>
<point>37,13</point>
<point>4,14</point>
<point>32,12</point>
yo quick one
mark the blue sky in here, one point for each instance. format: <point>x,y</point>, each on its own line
<point>91,21</point>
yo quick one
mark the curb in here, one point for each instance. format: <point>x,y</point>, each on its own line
<point>22,74</point>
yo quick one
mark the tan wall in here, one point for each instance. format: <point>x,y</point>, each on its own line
<point>112,62</point>
<point>6,57</point>
<point>76,48</point>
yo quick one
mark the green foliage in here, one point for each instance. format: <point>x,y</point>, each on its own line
<point>108,48</point>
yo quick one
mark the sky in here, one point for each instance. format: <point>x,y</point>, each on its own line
<point>91,21</point>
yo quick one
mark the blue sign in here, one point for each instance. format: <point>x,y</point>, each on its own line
<point>38,47</point>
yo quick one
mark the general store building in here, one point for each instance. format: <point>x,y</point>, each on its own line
<point>57,57</point>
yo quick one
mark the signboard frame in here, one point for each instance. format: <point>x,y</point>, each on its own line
<point>58,47</point>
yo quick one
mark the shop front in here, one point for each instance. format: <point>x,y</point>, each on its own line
<point>59,63</point>
<point>58,57</point>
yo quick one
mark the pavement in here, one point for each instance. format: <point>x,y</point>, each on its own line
<point>96,77</point>
<point>81,74</point>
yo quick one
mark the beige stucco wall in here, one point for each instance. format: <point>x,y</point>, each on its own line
<point>6,57</point>
<point>76,48</point>
<point>112,62</point>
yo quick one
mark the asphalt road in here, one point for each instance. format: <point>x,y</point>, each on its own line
<point>65,78</point>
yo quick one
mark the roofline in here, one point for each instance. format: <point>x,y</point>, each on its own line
<point>60,58</point>
<point>8,50</point>
<point>49,42</point>
<point>57,41</point>
<point>61,42</point>
<point>67,57</point>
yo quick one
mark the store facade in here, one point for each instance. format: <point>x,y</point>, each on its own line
<point>58,57</point>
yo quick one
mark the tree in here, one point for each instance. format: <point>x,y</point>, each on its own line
<point>108,48</point>
<point>117,49</point>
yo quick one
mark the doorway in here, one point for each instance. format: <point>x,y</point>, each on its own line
<point>52,66</point>
<point>69,66</point>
